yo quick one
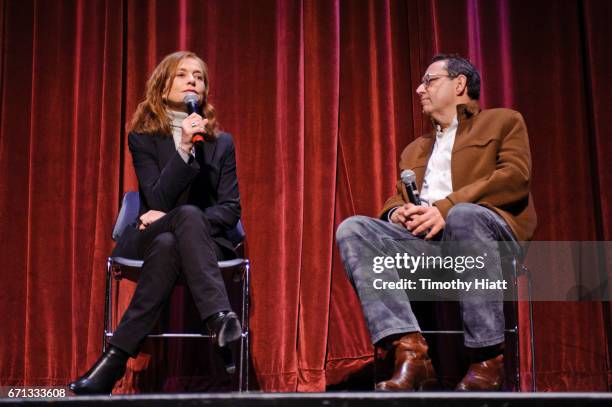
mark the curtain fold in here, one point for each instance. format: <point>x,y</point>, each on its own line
<point>60,126</point>
<point>596,34</point>
<point>319,96</point>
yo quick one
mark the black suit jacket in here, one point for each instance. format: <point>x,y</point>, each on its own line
<point>166,181</point>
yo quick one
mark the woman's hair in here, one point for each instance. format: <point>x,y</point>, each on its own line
<point>150,115</point>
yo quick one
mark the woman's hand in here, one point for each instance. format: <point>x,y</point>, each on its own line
<point>191,125</point>
<point>149,217</point>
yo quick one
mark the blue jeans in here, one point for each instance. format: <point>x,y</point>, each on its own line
<point>388,312</point>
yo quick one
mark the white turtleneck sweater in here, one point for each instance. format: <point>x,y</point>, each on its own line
<point>177,118</point>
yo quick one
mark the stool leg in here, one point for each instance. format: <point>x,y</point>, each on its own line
<point>531,331</point>
<point>517,349</point>
<point>242,359</point>
<point>107,302</point>
<point>517,334</point>
<point>245,365</point>
<point>243,350</point>
<point>375,365</point>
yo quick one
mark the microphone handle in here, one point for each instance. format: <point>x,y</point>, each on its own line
<point>413,196</point>
<point>197,138</point>
<point>415,191</point>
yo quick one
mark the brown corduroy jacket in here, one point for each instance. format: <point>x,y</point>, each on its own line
<point>490,166</point>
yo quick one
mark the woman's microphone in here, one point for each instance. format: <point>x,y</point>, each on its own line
<point>191,102</point>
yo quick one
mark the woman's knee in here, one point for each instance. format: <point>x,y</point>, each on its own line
<point>162,255</point>
<point>189,212</point>
<point>191,216</point>
<point>164,243</point>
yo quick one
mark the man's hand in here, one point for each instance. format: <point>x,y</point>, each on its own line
<point>424,218</point>
<point>400,215</point>
<point>149,217</point>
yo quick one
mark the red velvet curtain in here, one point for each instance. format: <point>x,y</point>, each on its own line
<point>320,98</point>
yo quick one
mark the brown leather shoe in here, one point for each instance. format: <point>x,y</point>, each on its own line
<point>413,367</point>
<point>484,376</point>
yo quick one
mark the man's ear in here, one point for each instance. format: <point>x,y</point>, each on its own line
<point>461,87</point>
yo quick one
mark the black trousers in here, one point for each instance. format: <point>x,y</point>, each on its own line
<point>178,242</point>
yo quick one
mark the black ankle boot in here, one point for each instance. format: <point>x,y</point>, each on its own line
<point>225,326</point>
<point>103,375</point>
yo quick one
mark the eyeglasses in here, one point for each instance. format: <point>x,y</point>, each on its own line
<point>429,77</point>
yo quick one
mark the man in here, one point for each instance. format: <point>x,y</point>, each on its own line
<point>474,174</point>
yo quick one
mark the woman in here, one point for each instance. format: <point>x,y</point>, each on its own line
<point>188,199</point>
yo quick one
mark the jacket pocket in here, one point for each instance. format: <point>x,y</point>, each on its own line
<point>476,143</point>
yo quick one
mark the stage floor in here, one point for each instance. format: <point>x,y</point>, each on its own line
<point>330,399</point>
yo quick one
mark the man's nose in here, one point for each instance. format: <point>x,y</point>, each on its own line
<point>420,90</point>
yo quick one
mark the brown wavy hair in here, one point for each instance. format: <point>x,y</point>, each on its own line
<point>150,115</point>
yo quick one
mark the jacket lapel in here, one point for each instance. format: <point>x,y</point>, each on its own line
<point>209,149</point>
<point>465,114</point>
<point>165,149</point>
<point>426,147</point>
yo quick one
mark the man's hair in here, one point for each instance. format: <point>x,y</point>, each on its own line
<point>457,65</point>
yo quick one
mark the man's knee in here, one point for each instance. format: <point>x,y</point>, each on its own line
<point>465,215</point>
<point>469,222</point>
<point>351,227</point>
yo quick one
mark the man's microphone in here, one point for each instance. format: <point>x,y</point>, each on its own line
<point>409,179</point>
<point>191,102</point>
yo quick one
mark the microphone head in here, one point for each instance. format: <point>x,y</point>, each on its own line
<point>190,97</point>
<point>408,177</point>
<point>191,101</point>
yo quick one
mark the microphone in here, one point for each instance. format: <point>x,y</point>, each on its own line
<point>191,102</point>
<point>409,179</point>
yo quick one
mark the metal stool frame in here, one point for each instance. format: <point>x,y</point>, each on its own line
<point>239,267</point>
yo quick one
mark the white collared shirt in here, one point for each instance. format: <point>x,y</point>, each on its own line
<point>438,183</point>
